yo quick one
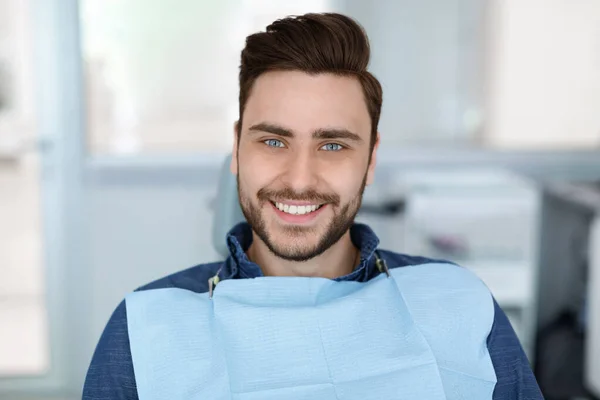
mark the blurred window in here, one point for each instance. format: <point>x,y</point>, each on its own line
<point>496,74</point>
<point>514,74</point>
<point>544,75</point>
<point>161,77</point>
<point>23,320</point>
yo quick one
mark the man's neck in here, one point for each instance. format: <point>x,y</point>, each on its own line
<point>339,260</point>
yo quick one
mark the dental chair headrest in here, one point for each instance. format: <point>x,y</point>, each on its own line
<point>228,212</point>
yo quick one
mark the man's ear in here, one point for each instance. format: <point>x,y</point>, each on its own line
<point>233,166</point>
<point>373,162</point>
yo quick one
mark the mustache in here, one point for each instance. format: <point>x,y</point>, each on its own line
<point>310,195</point>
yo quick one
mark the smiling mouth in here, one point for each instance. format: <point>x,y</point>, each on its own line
<point>294,209</point>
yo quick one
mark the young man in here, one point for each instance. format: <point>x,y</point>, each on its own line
<point>306,306</point>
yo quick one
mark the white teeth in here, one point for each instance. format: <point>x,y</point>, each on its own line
<point>296,210</point>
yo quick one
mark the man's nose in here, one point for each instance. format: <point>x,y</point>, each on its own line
<point>301,171</point>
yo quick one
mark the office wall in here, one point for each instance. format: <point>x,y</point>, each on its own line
<point>140,232</point>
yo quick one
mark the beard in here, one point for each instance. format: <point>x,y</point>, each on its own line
<point>300,249</point>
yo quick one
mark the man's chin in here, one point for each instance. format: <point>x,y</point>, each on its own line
<point>296,255</point>
<point>293,249</point>
<point>277,227</point>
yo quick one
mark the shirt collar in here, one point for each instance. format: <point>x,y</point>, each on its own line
<point>239,240</point>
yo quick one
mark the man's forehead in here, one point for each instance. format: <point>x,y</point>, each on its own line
<point>307,102</point>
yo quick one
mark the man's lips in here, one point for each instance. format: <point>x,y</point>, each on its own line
<point>297,202</point>
<point>297,213</point>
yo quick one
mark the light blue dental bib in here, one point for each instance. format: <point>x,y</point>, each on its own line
<point>419,334</point>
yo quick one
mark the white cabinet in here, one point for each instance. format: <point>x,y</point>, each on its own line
<point>488,223</point>
<point>520,240</point>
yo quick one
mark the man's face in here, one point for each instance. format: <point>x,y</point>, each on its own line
<point>302,161</point>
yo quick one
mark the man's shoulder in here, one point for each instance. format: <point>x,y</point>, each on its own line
<point>432,273</point>
<point>398,260</point>
<point>112,361</point>
<point>194,279</point>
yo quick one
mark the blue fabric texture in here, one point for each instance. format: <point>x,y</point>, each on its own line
<point>111,373</point>
<point>510,362</point>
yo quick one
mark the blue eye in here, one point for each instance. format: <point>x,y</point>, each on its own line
<point>274,143</point>
<point>332,147</point>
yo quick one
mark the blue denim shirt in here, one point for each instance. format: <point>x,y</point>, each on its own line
<point>111,375</point>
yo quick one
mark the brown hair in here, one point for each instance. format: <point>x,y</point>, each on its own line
<point>312,43</point>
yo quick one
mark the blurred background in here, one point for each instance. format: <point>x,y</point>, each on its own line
<point>116,116</point>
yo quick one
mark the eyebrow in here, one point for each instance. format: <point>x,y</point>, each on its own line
<point>322,133</point>
<point>272,128</point>
<point>336,133</point>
